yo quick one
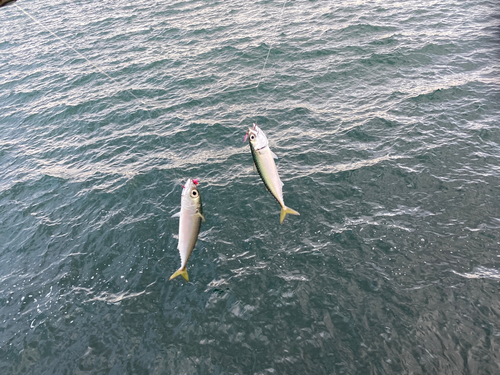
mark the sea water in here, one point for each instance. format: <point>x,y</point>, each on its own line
<point>385,119</point>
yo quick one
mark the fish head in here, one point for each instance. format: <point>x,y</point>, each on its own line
<point>190,194</point>
<point>256,137</point>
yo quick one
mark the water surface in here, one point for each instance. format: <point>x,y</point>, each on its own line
<point>384,116</point>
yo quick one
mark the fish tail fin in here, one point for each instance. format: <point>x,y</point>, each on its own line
<point>181,271</point>
<point>286,210</point>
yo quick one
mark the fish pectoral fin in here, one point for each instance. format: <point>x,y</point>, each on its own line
<point>286,210</point>
<point>201,215</point>
<point>181,271</point>
<point>255,168</point>
<point>178,214</point>
<point>274,155</point>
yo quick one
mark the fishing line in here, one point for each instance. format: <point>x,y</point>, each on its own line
<point>270,44</point>
<point>78,53</point>
<point>265,62</point>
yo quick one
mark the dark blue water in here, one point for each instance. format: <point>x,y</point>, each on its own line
<point>385,119</point>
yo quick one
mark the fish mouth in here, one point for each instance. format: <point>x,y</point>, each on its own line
<point>187,186</point>
<point>253,128</point>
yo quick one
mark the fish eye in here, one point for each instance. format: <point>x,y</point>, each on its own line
<point>194,193</point>
<point>252,137</point>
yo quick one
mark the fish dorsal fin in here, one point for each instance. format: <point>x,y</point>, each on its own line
<point>178,214</point>
<point>274,155</point>
<point>254,168</point>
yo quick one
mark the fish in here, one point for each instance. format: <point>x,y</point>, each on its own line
<point>191,216</point>
<point>263,159</point>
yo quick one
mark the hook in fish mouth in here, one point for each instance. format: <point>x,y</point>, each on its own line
<point>246,135</point>
<point>195,181</point>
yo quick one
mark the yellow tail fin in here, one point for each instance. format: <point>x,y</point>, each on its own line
<point>181,271</point>
<point>285,210</point>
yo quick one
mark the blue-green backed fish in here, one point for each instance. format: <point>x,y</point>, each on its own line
<point>191,215</point>
<point>263,159</point>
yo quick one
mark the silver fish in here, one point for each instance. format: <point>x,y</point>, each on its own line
<point>263,159</point>
<point>191,215</point>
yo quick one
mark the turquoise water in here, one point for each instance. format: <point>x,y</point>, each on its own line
<point>385,118</point>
